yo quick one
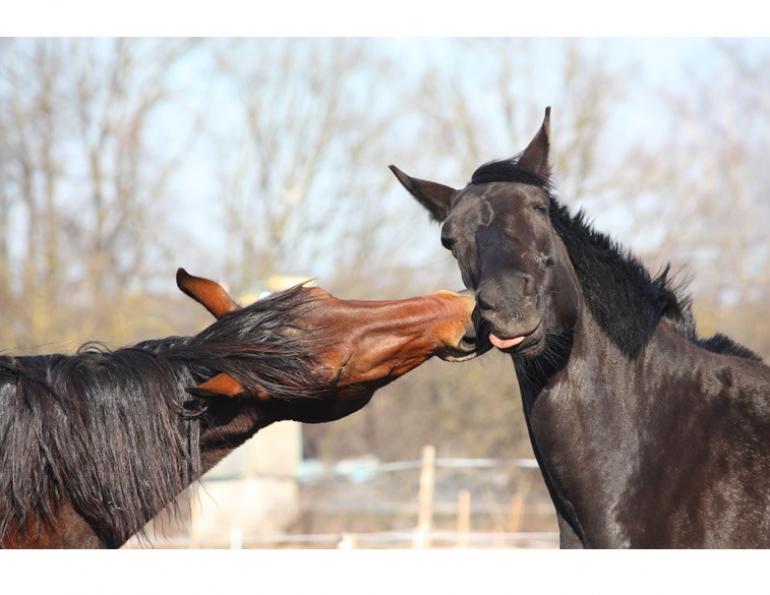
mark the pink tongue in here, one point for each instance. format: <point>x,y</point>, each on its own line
<point>504,343</point>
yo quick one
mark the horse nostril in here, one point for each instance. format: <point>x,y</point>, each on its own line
<point>470,337</point>
<point>529,283</point>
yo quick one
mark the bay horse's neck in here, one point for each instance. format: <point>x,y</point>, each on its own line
<point>69,528</point>
<point>75,523</point>
<point>219,440</point>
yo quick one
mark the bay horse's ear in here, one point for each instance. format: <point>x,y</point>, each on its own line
<point>224,385</point>
<point>210,294</point>
<point>435,197</point>
<point>535,156</point>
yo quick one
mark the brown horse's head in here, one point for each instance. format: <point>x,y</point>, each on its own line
<point>359,346</point>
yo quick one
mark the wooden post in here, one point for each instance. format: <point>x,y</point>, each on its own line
<point>516,507</point>
<point>514,513</point>
<point>425,511</point>
<point>463,518</point>
<point>236,538</point>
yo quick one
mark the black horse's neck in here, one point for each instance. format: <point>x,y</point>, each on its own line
<point>613,289</point>
<point>622,297</point>
<point>591,398</point>
<point>617,293</point>
<point>554,407</point>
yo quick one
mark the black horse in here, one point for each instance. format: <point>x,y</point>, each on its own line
<point>646,434</point>
<point>94,445</point>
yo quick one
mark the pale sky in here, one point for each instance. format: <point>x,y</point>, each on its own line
<point>659,65</point>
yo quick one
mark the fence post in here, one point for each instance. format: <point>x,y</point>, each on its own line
<point>463,518</point>
<point>347,542</point>
<point>516,508</point>
<point>425,511</point>
<point>236,538</point>
<point>514,513</point>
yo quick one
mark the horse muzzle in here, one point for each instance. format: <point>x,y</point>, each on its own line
<point>475,340</point>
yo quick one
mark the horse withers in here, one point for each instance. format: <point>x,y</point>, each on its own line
<point>646,434</point>
<point>94,445</point>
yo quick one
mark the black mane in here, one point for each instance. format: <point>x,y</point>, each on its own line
<point>626,301</point>
<point>112,432</point>
<point>509,170</point>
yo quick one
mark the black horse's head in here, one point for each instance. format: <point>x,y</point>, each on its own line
<point>499,229</point>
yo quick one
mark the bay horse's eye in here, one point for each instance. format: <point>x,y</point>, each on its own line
<point>540,208</point>
<point>447,242</point>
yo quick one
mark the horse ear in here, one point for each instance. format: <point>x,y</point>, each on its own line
<point>535,156</point>
<point>210,294</point>
<point>224,385</point>
<point>435,197</point>
<point>221,385</point>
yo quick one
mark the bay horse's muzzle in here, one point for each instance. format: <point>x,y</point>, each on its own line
<point>475,341</point>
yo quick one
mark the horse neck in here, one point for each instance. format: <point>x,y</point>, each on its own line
<point>594,420</point>
<point>219,440</point>
<point>227,426</point>
<point>78,524</point>
<point>574,413</point>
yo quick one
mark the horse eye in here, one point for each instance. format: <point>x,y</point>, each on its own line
<point>540,208</point>
<point>448,243</point>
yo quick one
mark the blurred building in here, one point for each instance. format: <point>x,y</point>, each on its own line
<point>254,489</point>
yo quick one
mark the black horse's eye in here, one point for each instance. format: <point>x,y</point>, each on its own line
<point>447,242</point>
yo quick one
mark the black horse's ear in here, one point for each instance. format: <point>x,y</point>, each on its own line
<point>435,197</point>
<point>535,156</point>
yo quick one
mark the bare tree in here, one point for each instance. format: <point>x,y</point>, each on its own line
<point>474,115</point>
<point>699,195</point>
<point>80,170</point>
<point>300,194</point>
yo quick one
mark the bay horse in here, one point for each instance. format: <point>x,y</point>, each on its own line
<point>646,434</point>
<point>94,445</point>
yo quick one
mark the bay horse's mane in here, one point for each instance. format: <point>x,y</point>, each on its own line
<point>624,298</point>
<point>116,433</point>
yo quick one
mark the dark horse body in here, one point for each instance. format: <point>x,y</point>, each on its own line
<point>94,445</point>
<point>646,434</point>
